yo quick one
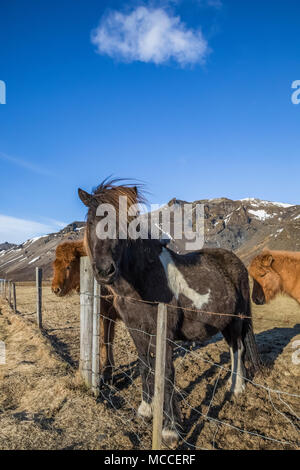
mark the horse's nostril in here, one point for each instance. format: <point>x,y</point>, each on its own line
<point>56,290</point>
<point>111,270</point>
<point>107,272</point>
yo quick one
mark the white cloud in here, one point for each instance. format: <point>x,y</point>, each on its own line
<point>149,35</point>
<point>15,230</point>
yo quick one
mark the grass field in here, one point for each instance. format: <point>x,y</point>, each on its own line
<point>44,405</point>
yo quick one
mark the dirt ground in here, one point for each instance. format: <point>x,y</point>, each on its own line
<point>44,405</point>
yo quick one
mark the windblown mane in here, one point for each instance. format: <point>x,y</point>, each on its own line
<point>66,251</point>
<point>108,192</point>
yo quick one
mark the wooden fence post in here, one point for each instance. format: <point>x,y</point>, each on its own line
<point>86,319</point>
<point>14,298</point>
<point>39,276</point>
<point>9,293</point>
<point>95,340</point>
<point>160,363</point>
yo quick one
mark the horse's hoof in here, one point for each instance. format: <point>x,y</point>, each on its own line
<point>170,437</point>
<point>106,380</point>
<point>145,410</point>
<point>238,390</point>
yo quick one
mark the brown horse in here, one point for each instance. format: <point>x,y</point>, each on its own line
<point>66,278</point>
<point>143,272</point>
<point>274,272</point>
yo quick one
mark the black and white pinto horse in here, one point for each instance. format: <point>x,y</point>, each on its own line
<point>208,280</point>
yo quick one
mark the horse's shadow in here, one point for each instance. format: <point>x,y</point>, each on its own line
<point>61,348</point>
<point>271,344</point>
<point>123,377</point>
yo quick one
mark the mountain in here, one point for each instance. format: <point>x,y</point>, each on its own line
<point>6,246</point>
<point>18,262</point>
<point>249,225</point>
<point>244,226</point>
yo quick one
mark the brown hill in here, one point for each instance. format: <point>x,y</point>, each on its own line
<point>18,263</point>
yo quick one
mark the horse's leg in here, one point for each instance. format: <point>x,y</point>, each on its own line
<point>145,349</point>
<point>241,372</point>
<point>107,333</point>
<point>145,346</point>
<point>232,334</point>
<point>172,415</point>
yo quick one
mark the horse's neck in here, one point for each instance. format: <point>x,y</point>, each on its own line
<point>287,272</point>
<point>135,265</point>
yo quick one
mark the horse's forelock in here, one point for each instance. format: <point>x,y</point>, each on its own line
<point>108,192</point>
<point>67,251</point>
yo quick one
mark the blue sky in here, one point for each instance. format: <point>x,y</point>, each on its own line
<point>204,113</point>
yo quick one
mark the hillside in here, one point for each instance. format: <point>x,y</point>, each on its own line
<point>247,226</point>
<point>19,261</point>
<point>244,226</point>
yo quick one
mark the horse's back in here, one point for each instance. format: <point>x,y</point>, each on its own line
<point>217,281</point>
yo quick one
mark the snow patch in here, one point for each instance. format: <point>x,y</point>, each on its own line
<point>11,260</point>
<point>261,214</point>
<point>257,202</point>
<point>278,232</point>
<point>34,259</point>
<point>34,239</point>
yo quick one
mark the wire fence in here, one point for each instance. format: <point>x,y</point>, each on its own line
<point>264,416</point>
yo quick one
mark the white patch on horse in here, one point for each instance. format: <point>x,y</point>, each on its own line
<point>178,284</point>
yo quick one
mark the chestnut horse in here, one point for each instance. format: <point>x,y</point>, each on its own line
<point>66,278</point>
<point>274,272</point>
<point>144,272</point>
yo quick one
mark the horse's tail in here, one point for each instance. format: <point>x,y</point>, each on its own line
<point>251,349</point>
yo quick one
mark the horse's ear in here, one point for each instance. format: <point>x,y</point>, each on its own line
<point>85,197</point>
<point>267,260</point>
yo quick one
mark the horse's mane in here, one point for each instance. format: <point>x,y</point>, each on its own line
<point>108,192</point>
<point>68,250</point>
<point>292,255</point>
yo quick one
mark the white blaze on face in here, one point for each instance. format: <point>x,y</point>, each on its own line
<point>178,284</point>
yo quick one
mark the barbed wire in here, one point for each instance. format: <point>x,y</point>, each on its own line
<point>178,307</point>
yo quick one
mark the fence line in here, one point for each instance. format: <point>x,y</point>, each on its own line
<point>86,319</point>
<point>160,365</point>
<point>188,309</point>
<point>96,340</point>
<point>89,351</point>
<point>39,278</point>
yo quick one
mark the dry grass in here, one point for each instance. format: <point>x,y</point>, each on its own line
<point>44,405</point>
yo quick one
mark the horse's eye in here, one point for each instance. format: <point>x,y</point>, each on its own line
<point>263,275</point>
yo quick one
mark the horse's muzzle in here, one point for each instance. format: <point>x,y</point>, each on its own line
<point>106,275</point>
<point>258,301</point>
<point>58,291</point>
